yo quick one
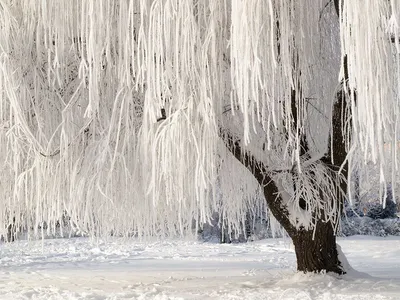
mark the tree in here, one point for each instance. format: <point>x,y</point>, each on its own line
<point>145,117</point>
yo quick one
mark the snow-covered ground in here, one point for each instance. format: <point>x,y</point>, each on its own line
<point>127,269</point>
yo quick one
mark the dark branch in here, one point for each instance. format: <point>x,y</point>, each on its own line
<point>337,9</point>
<point>260,172</point>
<point>51,154</point>
<point>84,130</point>
<point>163,115</point>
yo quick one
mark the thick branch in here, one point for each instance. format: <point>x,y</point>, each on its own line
<point>337,152</point>
<point>259,171</point>
<point>336,156</point>
<point>304,148</point>
<point>337,9</point>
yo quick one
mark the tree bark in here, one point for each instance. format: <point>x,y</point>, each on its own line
<point>316,248</point>
<point>316,251</point>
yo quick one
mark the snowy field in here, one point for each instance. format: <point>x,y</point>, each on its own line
<point>118,269</point>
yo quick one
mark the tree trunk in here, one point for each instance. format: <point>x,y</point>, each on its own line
<point>316,248</point>
<point>357,189</point>
<point>11,232</point>
<point>316,251</point>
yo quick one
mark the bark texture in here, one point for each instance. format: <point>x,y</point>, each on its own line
<point>315,249</point>
<point>316,253</point>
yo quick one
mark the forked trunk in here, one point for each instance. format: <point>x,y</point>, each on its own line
<point>316,250</point>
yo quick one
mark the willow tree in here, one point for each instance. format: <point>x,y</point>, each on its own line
<point>144,117</point>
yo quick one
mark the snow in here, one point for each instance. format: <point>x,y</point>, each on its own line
<point>127,269</point>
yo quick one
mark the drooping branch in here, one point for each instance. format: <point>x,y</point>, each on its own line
<point>84,130</point>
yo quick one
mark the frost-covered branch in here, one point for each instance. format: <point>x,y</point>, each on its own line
<point>263,177</point>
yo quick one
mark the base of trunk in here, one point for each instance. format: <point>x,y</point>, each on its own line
<point>317,252</point>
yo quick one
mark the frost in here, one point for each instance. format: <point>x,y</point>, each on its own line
<point>114,114</point>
